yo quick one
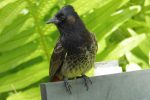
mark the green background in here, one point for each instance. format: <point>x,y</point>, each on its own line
<point>122,28</point>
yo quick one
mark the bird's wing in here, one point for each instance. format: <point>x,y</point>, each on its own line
<point>94,41</point>
<point>57,59</point>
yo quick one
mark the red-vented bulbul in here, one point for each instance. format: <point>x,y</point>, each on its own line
<point>75,50</point>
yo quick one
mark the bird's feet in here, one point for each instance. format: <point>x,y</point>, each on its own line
<point>86,81</point>
<point>67,85</point>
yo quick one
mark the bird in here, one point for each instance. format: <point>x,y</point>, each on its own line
<point>75,50</point>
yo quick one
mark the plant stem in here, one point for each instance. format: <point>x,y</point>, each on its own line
<point>39,30</point>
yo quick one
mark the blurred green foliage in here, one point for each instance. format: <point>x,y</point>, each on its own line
<point>122,28</point>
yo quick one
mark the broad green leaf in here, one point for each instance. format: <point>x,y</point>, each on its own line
<point>144,46</point>
<point>4,3</point>
<point>10,12</point>
<point>132,58</point>
<point>11,59</point>
<point>108,25</point>
<point>21,39</point>
<point>13,29</point>
<point>116,51</point>
<point>24,78</point>
<point>33,93</point>
<point>47,8</point>
<point>134,23</point>
<point>86,6</point>
<point>147,2</point>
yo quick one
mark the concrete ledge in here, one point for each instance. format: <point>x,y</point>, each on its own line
<point>122,86</point>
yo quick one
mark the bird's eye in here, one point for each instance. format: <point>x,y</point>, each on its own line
<point>62,18</point>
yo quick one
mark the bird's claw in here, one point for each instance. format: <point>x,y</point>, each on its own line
<point>68,86</point>
<point>86,81</point>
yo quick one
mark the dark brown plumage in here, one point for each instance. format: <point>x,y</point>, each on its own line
<point>74,53</point>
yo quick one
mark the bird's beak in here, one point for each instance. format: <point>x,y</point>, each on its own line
<point>52,20</point>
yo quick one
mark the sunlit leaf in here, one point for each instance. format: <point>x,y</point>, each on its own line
<point>23,78</point>
<point>27,95</point>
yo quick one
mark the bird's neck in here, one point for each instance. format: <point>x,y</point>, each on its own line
<point>75,36</point>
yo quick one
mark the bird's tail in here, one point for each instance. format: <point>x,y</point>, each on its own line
<point>55,78</point>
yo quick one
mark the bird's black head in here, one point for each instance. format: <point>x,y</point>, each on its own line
<point>66,15</point>
<point>72,30</point>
